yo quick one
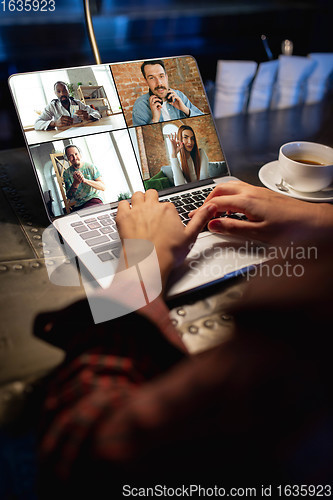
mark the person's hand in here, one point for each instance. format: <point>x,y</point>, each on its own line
<point>175,144</point>
<point>82,114</point>
<point>148,219</point>
<point>78,177</point>
<point>156,108</point>
<point>63,121</point>
<point>176,102</point>
<point>271,216</point>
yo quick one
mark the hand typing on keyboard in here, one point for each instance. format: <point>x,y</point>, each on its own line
<point>268,215</point>
<point>159,223</point>
<point>188,202</point>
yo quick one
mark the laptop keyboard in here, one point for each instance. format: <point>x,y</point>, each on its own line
<point>187,202</point>
<point>101,235</point>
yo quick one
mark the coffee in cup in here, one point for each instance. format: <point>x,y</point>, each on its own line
<point>306,166</point>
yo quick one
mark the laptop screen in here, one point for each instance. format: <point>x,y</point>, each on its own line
<point>96,134</point>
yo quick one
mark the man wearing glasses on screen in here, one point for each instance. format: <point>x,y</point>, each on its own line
<point>64,111</point>
<point>161,103</point>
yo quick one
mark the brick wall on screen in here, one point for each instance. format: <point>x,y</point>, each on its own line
<point>206,136</point>
<point>130,85</point>
<point>183,76</point>
<point>142,151</point>
<point>155,147</point>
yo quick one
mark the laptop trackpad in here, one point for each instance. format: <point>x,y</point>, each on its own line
<point>213,258</point>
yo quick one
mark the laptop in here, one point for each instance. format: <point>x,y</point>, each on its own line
<point>128,126</point>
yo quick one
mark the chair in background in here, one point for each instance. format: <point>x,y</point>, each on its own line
<point>59,162</point>
<point>262,87</point>
<point>292,76</point>
<point>287,81</point>
<point>233,80</point>
<point>318,81</point>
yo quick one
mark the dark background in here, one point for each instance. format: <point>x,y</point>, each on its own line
<point>134,29</point>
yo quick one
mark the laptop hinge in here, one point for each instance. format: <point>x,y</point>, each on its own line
<point>97,209</point>
<point>183,187</point>
<point>110,206</point>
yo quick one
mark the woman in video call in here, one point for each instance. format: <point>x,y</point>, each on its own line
<point>188,162</point>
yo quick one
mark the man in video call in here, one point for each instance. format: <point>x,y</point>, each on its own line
<point>58,113</point>
<point>83,181</point>
<point>161,103</point>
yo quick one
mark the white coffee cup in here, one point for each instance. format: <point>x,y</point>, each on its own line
<point>306,166</point>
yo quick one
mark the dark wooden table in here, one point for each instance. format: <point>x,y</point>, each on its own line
<point>249,142</point>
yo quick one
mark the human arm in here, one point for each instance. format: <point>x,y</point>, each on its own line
<point>86,112</point>
<point>50,118</point>
<point>96,183</point>
<point>109,366</point>
<point>79,178</point>
<point>178,176</point>
<point>119,357</point>
<point>71,186</point>
<point>176,147</point>
<point>72,190</point>
<point>61,122</point>
<point>156,108</point>
<point>159,223</point>
<point>121,409</point>
<point>271,216</point>
<point>44,120</point>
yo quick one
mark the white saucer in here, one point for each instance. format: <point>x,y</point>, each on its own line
<point>270,175</point>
